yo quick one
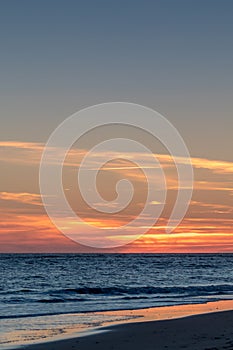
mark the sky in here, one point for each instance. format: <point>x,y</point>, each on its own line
<point>58,57</point>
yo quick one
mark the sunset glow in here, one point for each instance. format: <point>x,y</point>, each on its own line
<point>25,226</point>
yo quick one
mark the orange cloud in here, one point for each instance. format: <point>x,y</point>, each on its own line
<point>75,155</point>
<point>26,198</point>
<point>207,227</point>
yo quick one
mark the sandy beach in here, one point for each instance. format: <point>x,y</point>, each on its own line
<point>207,331</point>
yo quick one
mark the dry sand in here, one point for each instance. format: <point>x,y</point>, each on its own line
<point>208,331</point>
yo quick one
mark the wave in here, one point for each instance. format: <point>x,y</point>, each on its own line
<point>61,294</point>
<point>108,291</point>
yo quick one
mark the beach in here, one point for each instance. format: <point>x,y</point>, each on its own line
<point>198,332</point>
<point>194,327</point>
<point>79,301</point>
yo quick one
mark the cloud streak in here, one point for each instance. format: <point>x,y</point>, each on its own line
<point>24,198</point>
<point>207,226</point>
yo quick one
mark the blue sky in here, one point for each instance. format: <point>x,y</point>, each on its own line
<point>174,56</point>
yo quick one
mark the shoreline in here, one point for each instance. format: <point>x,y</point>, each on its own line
<point>211,331</point>
<point>154,322</point>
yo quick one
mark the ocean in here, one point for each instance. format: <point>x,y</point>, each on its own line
<point>51,291</point>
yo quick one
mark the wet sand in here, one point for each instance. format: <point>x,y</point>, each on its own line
<point>206,329</point>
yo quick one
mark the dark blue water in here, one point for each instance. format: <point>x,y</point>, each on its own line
<point>71,283</point>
